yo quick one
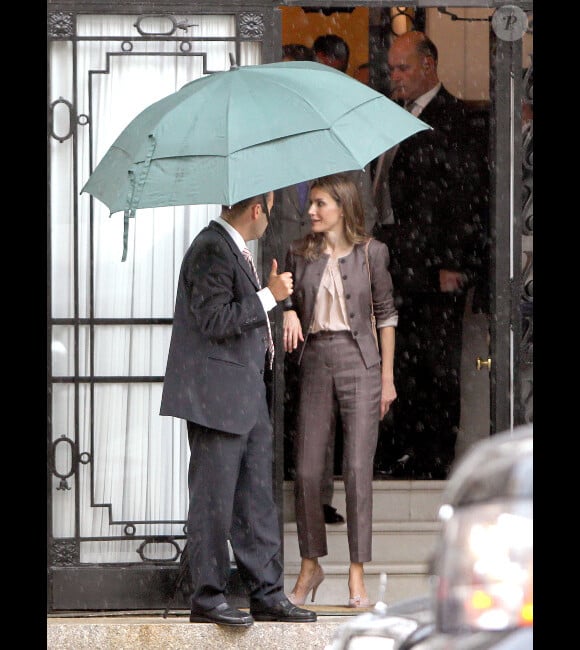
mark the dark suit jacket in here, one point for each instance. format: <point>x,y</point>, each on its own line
<point>436,195</point>
<point>217,351</point>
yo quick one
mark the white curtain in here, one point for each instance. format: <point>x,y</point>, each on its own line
<point>133,462</point>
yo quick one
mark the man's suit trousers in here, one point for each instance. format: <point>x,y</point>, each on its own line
<point>231,497</point>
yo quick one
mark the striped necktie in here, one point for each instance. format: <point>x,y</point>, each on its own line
<point>270,345</point>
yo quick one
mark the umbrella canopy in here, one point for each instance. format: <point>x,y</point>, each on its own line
<point>245,131</point>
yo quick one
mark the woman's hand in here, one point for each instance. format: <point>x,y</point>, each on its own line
<point>292,331</point>
<point>388,395</point>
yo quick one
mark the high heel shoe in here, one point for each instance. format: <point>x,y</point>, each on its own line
<point>358,602</point>
<point>313,584</point>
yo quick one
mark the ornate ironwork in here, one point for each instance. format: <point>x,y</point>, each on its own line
<point>443,10</point>
<point>527,296</point>
<point>175,25</point>
<point>61,24</point>
<point>251,25</point>
<point>158,540</point>
<point>64,552</point>
<point>63,485</point>
<point>66,136</point>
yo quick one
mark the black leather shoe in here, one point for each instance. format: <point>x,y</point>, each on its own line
<point>223,614</point>
<point>284,612</point>
<point>439,470</point>
<point>331,516</point>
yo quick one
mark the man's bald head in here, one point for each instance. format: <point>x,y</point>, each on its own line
<point>412,63</point>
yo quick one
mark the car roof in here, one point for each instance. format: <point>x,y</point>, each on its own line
<point>498,467</point>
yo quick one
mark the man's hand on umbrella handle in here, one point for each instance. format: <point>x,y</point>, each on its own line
<point>280,284</point>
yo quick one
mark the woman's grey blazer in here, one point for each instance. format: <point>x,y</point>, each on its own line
<point>357,292</point>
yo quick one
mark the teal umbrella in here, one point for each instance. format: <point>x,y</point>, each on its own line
<point>245,131</point>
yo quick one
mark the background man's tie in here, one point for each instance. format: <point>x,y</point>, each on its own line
<point>302,190</point>
<point>270,345</point>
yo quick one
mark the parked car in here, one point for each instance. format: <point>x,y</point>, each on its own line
<point>481,568</point>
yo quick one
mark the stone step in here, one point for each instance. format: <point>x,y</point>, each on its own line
<point>403,581</point>
<point>405,528</point>
<point>401,542</point>
<point>146,632</point>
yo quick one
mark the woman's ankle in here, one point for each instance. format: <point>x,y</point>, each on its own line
<point>309,566</point>
<point>356,582</point>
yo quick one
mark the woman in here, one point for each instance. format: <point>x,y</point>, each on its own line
<point>328,326</point>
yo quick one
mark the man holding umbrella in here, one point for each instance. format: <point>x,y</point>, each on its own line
<point>220,349</point>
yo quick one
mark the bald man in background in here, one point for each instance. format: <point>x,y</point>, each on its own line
<point>438,183</point>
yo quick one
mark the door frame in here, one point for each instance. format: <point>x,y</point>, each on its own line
<point>145,587</point>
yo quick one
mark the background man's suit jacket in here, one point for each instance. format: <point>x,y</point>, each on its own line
<point>436,194</point>
<point>215,366</point>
